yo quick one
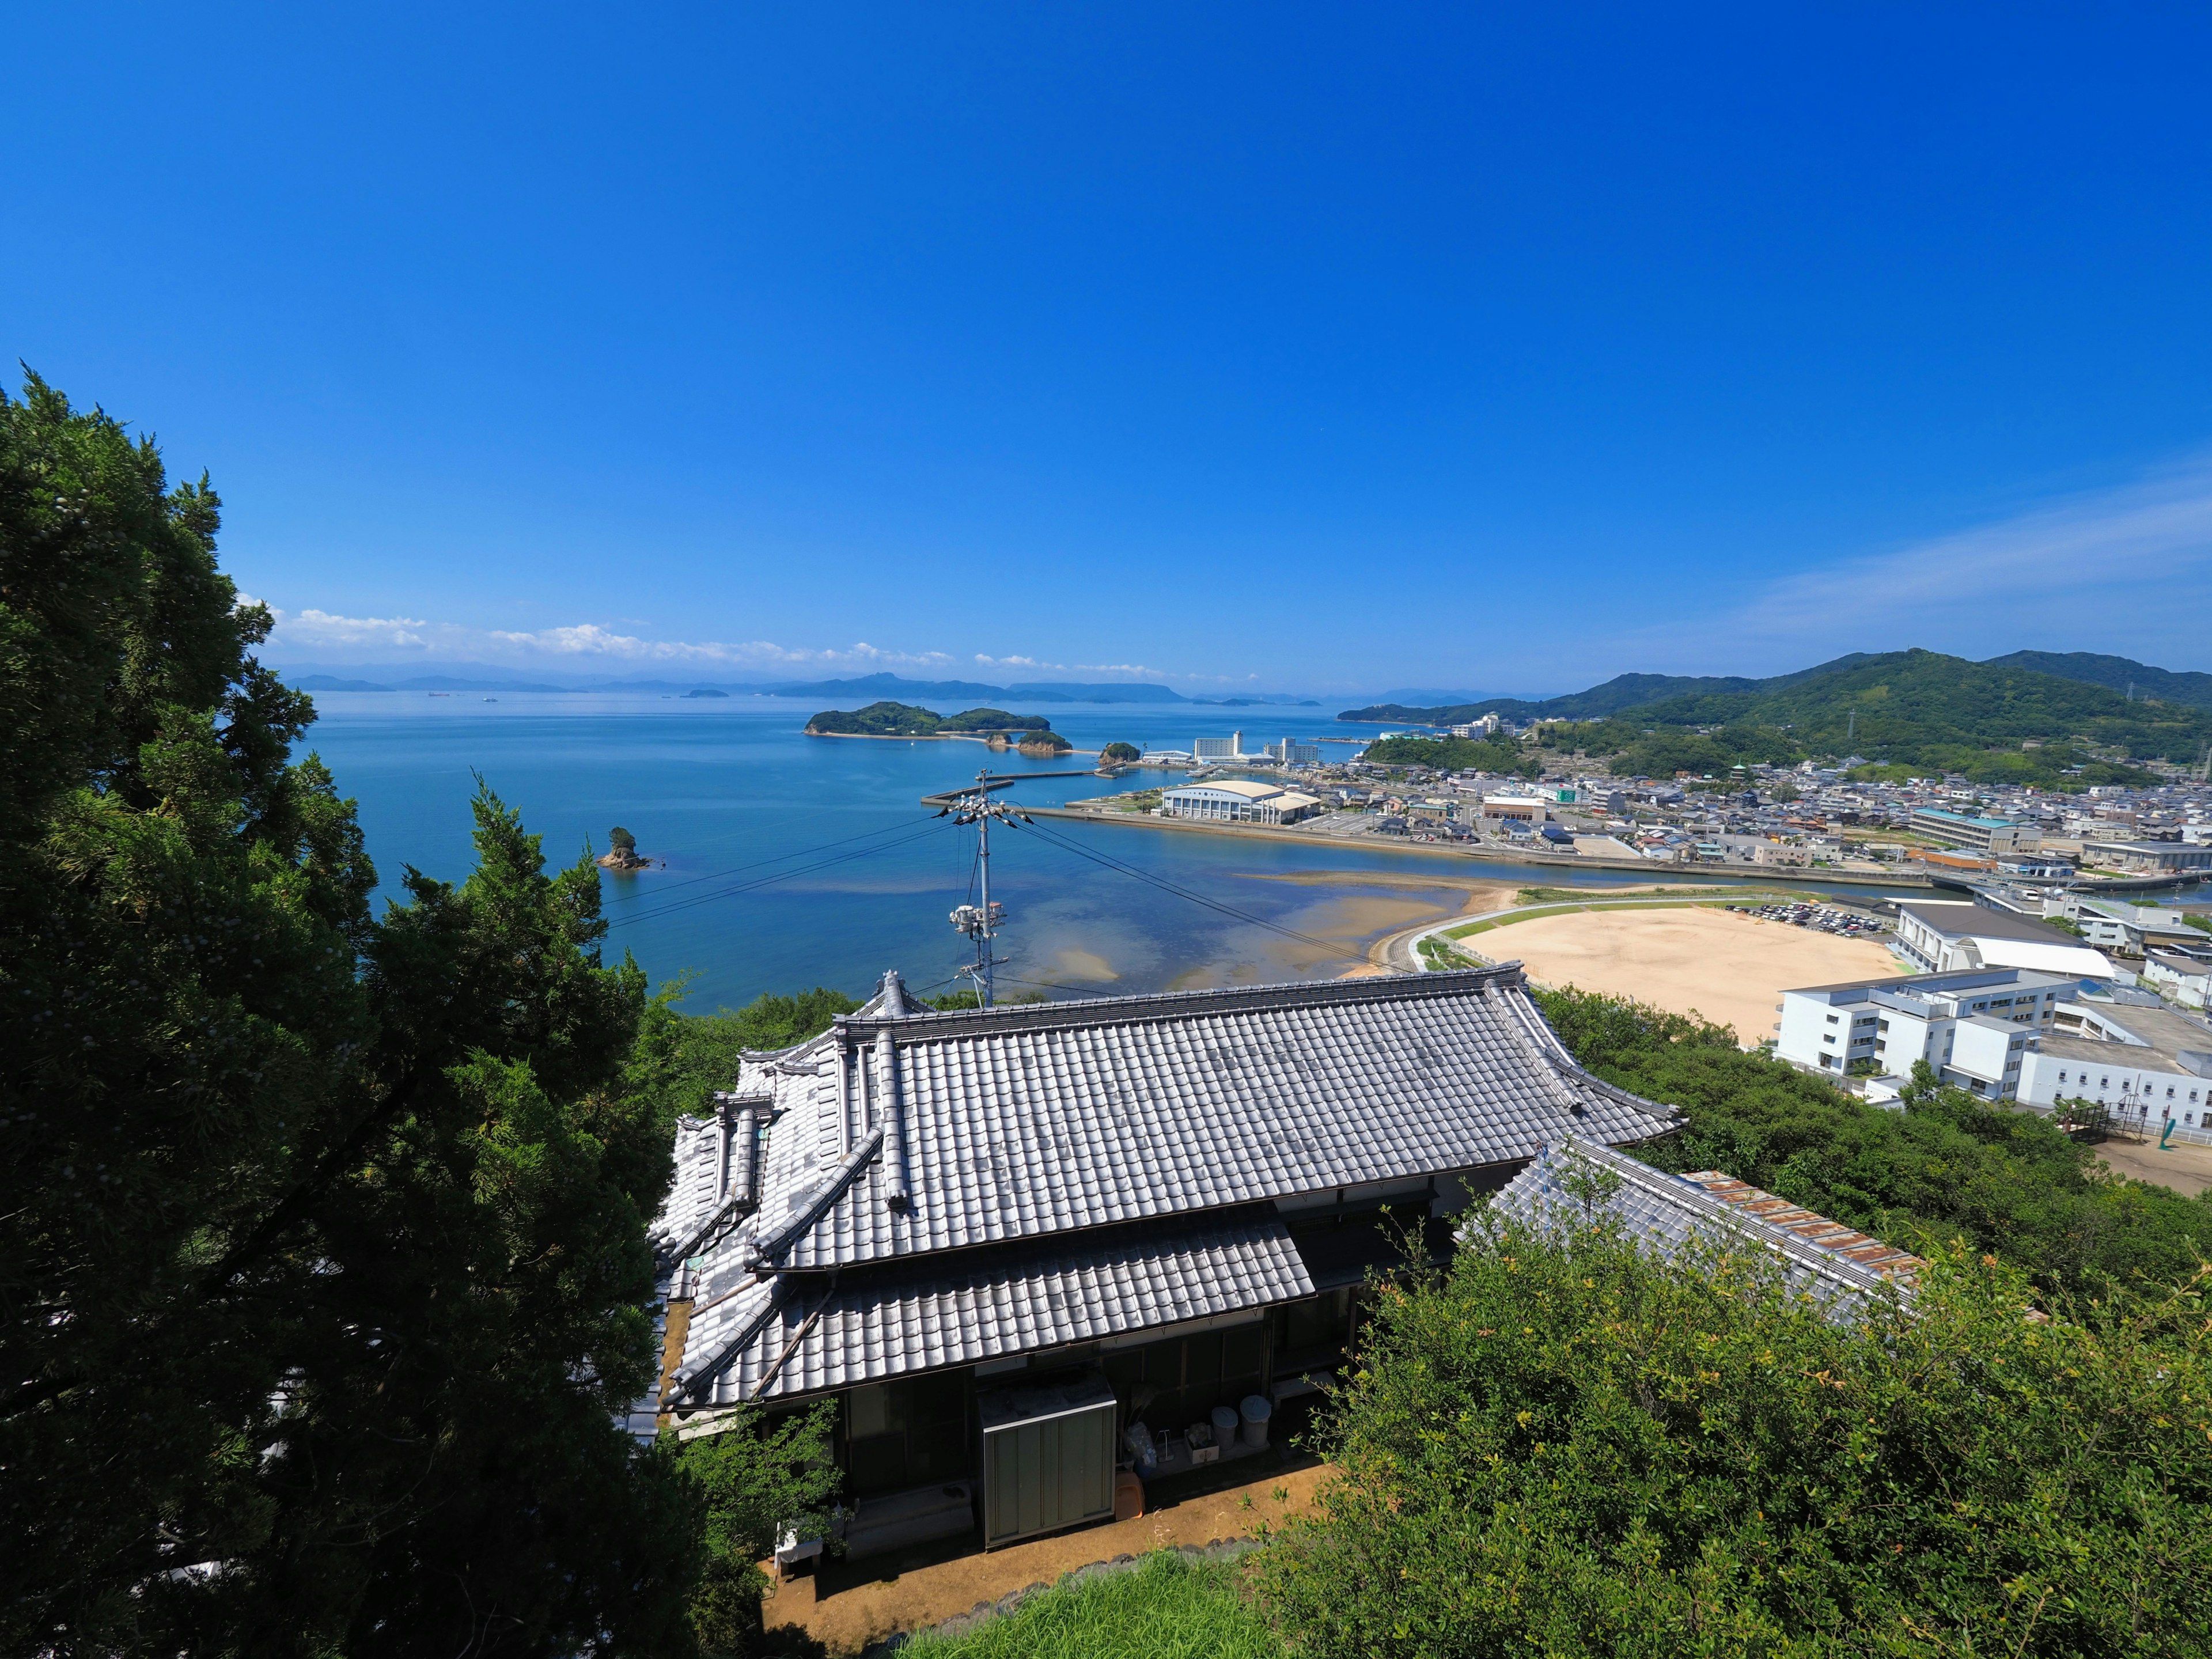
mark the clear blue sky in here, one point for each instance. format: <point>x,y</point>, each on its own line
<point>1495,346</point>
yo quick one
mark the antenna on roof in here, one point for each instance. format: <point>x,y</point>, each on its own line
<point>980,922</point>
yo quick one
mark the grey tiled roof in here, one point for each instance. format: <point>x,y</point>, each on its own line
<point>1025,1122</point>
<point>1822,1258</point>
<point>901,1138</point>
<point>981,1305</point>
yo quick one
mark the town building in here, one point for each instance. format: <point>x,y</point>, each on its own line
<point>1019,1247</point>
<point>1237,800</point>
<point>1230,748</point>
<point>2141,1062</point>
<point>1291,752</point>
<point>1942,936</point>
<point>1973,1027</point>
<point>2130,929</point>
<point>1985,837</point>
<point>2183,978</point>
<point>1525,809</point>
<point>2148,857</point>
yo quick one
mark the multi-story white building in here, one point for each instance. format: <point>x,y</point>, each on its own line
<point>1990,837</point>
<point>2115,925</point>
<point>2148,1064</point>
<point>1220,749</point>
<point>1236,801</point>
<point>2185,978</point>
<point>1291,752</point>
<point>1528,809</point>
<point>1973,1027</point>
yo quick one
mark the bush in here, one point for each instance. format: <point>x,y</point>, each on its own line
<point>1564,1446</point>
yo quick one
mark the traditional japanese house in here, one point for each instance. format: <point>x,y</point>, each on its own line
<point>999,1238</point>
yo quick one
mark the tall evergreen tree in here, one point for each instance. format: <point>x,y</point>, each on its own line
<point>323,1263</point>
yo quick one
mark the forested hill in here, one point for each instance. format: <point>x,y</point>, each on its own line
<point>1916,709</point>
<point>1620,692</point>
<point>2118,674</point>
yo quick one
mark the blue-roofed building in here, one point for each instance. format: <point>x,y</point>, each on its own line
<point>1990,838</point>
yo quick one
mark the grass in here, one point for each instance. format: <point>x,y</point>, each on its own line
<point>1167,1607</point>
<point>1535,913</point>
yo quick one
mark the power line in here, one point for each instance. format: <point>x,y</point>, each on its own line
<point>662,888</point>
<point>764,881</point>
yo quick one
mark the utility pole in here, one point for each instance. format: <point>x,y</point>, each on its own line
<point>980,922</point>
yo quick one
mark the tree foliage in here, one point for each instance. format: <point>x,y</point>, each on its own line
<point>1500,754</point>
<point>1947,1166</point>
<point>1565,1445</point>
<point>325,1260</point>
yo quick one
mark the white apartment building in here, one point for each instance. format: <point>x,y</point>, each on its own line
<point>2151,1065</point>
<point>1235,800</point>
<point>1291,752</point>
<point>1974,1027</point>
<point>1220,749</point>
<point>2116,925</point>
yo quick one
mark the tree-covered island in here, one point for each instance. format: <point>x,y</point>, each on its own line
<point>904,720</point>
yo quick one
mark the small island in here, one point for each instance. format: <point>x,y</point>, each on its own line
<point>706,691</point>
<point>622,851</point>
<point>1032,734</point>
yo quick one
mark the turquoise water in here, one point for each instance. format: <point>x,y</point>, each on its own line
<point>731,792</point>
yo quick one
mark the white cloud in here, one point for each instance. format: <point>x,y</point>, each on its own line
<point>2124,566</point>
<point>313,627</point>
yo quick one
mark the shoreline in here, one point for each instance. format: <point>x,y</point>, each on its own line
<point>1499,855</point>
<point>939,737</point>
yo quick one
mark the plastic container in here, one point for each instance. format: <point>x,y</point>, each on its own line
<point>1139,1440</point>
<point>1224,1427</point>
<point>1255,1412</point>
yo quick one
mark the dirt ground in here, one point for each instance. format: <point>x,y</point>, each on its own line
<point>848,1621</point>
<point>2187,1169</point>
<point>1730,968</point>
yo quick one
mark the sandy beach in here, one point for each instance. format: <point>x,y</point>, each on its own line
<point>1730,969</point>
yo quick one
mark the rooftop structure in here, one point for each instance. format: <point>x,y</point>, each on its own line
<point>2157,857</point>
<point>1825,1260</point>
<point>2150,1065</point>
<point>1237,800</point>
<point>915,1200</point>
<point>1943,935</point>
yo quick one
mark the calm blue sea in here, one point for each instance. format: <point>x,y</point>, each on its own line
<point>745,811</point>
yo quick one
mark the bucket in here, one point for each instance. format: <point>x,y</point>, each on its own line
<point>1224,1427</point>
<point>1256,1411</point>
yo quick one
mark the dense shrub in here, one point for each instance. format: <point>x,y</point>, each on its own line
<point>1566,1446</point>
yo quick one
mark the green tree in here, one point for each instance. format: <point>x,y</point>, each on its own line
<point>623,841</point>
<point>1564,1444</point>
<point>323,1247</point>
<point>1119,754</point>
<point>755,1479</point>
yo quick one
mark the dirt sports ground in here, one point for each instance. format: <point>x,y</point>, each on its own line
<point>1730,968</point>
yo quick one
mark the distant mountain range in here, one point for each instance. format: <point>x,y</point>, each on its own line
<point>2116,673</point>
<point>482,676</point>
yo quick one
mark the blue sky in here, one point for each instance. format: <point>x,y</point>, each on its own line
<point>1500,348</point>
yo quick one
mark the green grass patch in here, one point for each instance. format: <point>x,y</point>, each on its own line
<point>1538,912</point>
<point>1167,1607</point>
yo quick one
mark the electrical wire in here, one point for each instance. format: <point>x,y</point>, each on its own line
<point>660,888</point>
<point>759,881</point>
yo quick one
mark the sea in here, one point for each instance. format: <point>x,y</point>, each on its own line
<point>781,861</point>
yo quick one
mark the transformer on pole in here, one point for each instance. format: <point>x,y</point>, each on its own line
<point>980,922</point>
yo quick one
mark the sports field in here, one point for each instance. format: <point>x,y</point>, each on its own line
<point>1730,968</point>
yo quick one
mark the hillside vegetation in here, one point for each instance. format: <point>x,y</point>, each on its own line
<point>906,720</point>
<point>1918,711</point>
